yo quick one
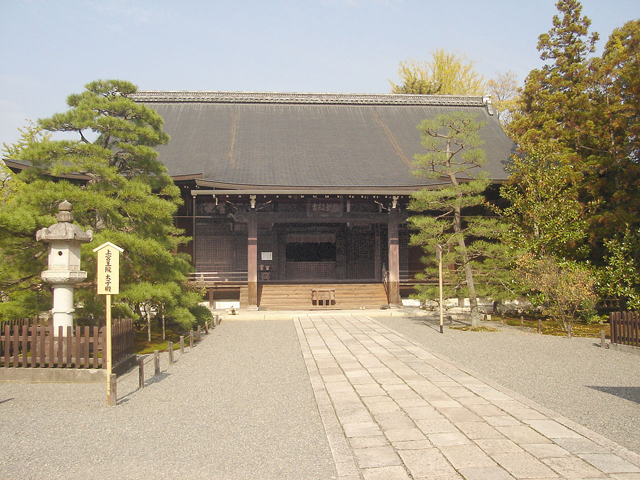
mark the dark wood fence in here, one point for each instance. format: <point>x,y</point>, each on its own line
<point>625,328</point>
<point>29,344</point>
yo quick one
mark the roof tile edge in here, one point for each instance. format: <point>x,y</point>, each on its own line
<point>159,96</point>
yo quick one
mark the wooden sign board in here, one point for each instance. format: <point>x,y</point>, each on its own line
<point>108,273</point>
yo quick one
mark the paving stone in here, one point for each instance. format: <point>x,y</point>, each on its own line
<point>369,390</point>
<point>523,465</point>
<point>473,400</point>
<point>347,470</point>
<point>487,473</point>
<point>526,414</point>
<point>407,403</point>
<point>428,463</point>
<point>609,463</point>
<point>376,457</point>
<point>421,412</point>
<point>457,391</point>
<point>394,420</point>
<point>552,429</point>
<point>522,434</point>
<point>361,429</point>
<point>502,421</point>
<point>368,442</point>
<point>580,445</point>
<point>478,430</point>
<point>354,416</point>
<point>449,403</point>
<point>385,473</point>
<point>448,476</point>
<point>363,381</point>
<point>435,425</point>
<point>404,434</point>
<point>485,410</point>
<point>381,405</point>
<point>447,439</point>
<point>412,445</point>
<point>333,378</point>
<point>545,450</point>
<point>403,394</point>
<point>573,467</point>
<point>460,414</point>
<point>498,445</point>
<point>467,456</point>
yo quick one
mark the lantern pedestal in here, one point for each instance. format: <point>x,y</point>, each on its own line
<point>64,239</point>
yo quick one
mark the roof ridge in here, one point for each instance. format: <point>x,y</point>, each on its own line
<point>189,96</point>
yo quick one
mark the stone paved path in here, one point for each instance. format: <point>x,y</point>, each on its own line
<point>394,411</point>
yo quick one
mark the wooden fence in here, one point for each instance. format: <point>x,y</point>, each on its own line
<point>28,344</point>
<point>625,328</point>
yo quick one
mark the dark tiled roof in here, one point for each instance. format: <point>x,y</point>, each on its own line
<point>276,140</point>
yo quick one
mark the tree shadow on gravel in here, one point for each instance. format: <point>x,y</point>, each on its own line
<point>628,393</point>
<point>434,322</point>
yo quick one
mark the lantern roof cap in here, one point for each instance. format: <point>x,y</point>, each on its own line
<point>64,229</point>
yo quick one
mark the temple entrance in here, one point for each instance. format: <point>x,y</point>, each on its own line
<point>311,256</point>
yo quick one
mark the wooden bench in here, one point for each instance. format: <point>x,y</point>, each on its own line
<point>323,297</point>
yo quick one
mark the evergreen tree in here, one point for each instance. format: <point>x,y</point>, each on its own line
<point>455,216</point>
<point>118,188</point>
<point>615,177</point>
<point>555,103</point>
<point>544,213</point>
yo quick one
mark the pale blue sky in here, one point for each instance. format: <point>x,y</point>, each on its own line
<point>52,48</point>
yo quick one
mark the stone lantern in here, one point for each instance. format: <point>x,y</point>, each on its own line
<point>64,239</point>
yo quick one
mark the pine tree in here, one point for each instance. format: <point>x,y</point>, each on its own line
<point>118,188</point>
<point>456,215</point>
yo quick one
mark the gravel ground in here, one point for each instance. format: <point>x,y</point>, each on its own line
<point>597,388</point>
<point>238,406</point>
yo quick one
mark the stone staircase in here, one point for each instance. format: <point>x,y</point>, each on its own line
<point>298,296</point>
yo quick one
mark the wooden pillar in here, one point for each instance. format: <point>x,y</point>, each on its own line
<point>193,234</point>
<point>377,261</point>
<point>252,261</point>
<point>394,260</point>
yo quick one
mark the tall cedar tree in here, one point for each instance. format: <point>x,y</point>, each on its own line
<point>615,177</point>
<point>554,105</point>
<point>585,110</point>
<point>124,195</point>
<point>455,214</point>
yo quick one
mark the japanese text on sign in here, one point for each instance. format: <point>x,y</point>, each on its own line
<point>108,278</point>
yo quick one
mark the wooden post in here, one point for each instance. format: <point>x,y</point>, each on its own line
<point>141,372</point>
<point>109,351</point>
<point>440,285</point>
<point>603,339</point>
<point>156,362</point>
<point>569,330</point>
<point>206,327</point>
<point>170,351</point>
<point>252,260</point>
<point>199,333</point>
<point>113,390</point>
<point>521,322</point>
<point>108,283</point>
<point>394,260</point>
<point>191,339</point>
<point>540,326</point>
<point>181,344</point>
